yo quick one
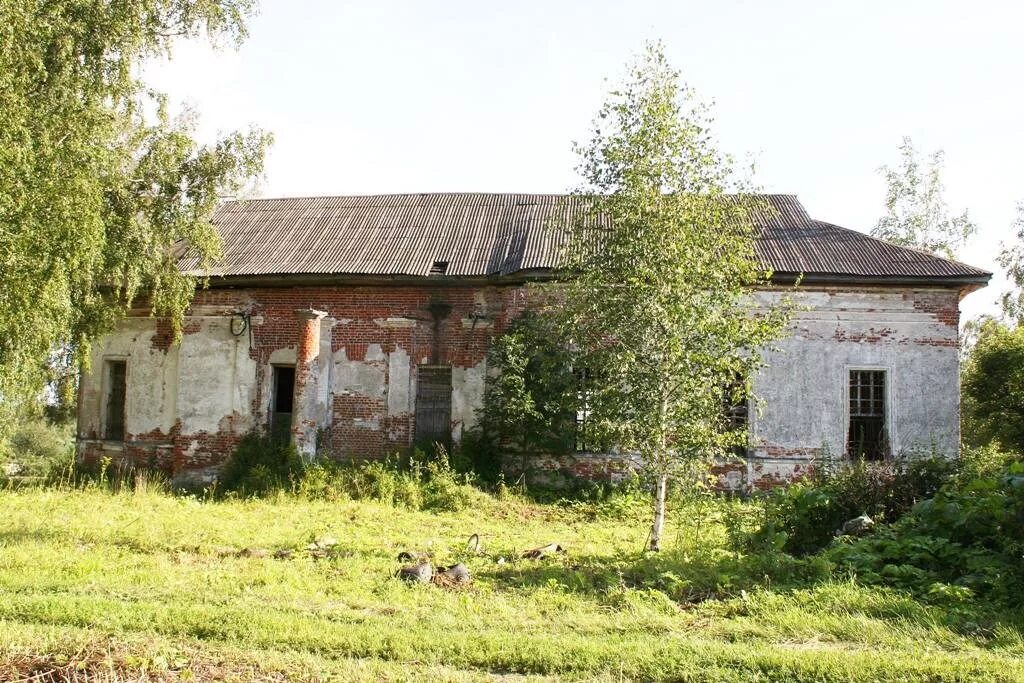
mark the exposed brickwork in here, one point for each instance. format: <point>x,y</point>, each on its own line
<point>387,318</point>
<point>164,336</point>
<point>944,305</point>
<point>551,469</point>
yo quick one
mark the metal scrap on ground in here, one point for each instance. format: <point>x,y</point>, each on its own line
<point>543,551</point>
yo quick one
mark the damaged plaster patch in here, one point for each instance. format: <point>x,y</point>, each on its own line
<point>374,352</point>
<point>467,394</point>
<point>284,356</point>
<point>395,322</point>
<point>399,386</point>
<point>371,423</point>
<point>363,378</point>
<point>218,378</point>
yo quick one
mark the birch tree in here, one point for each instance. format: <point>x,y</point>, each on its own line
<point>916,213</point>
<point>658,279</point>
<point>1011,258</point>
<point>100,187</point>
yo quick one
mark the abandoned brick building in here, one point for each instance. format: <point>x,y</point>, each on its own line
<point>361,324</point>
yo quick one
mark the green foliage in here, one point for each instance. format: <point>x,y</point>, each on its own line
<point>37,448</point>
<point>966,541</point>
<point>100,189</point>
<point>530,404</point>
<point>480,455</point>
<point>259,465</point>
<point>993,388</point>
<point>916,211</point>
<point>656,275</point>
<point>805,516</point>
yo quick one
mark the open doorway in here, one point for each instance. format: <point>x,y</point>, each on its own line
<point>281,399</point>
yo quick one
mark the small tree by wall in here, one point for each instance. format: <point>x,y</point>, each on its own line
<point>655,295</point>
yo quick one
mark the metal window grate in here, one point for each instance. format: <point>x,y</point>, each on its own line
<point>867,432</point>
<point>434,404</point>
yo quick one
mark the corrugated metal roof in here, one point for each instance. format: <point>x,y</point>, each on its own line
<point>503,234</point>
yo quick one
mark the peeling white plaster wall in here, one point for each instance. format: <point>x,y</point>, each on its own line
<point>803,391</point>
<point>151,381</point>
<point>325,367</point>
<point>467,396</point>
<point>353,377</point>
<point>400,384</point>
<point>218,378</point>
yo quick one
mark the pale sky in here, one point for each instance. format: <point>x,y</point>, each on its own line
<point>389,96</point>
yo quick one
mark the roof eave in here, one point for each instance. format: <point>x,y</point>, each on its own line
<point>952,281</point>
<point>971,282</point>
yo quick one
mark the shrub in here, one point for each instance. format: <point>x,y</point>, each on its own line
<point>418,481</point>
<point>477,454</point>
<point>260,465</point>
<point>804,517</point>
<point>38,448</point>
<point>967,540</point>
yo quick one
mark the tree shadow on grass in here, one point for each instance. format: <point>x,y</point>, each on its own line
<point>685,577</point>
<point>16,536</point>
<point>738,584</point>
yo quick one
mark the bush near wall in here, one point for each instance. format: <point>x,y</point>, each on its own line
<point>37,448</point>
<point>804,517</point>
<point>259,465</point>
<point>419,479</point>
<point>966,541</point>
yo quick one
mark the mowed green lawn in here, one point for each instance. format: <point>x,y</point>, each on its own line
<point>152,586</point>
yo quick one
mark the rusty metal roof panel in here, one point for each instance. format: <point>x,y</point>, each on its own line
<point>502,234</point>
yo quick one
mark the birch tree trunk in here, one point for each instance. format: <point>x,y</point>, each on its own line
<point>659,513</point>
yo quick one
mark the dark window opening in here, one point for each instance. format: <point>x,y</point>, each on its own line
<point>867,437</point>
<point>283,393</point>
<point>434,404</point>
<point>439,268</point>
<point>582,442</point>
<point>113,429</point>
<point>736,413</point>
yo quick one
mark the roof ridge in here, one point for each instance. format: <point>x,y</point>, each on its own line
<point>791,195</point>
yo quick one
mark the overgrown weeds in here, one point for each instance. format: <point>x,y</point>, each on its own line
<point>965,542</point>
<point>422,483</point>
<point>805,516</point>
<point>199,578</point>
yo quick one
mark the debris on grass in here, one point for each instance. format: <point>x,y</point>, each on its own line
<point>543,551</point>
<point>417,573</point>
<point>455,575</point>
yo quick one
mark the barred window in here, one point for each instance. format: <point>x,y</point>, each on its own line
<point>116,379</point>
<point>867,436</point>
